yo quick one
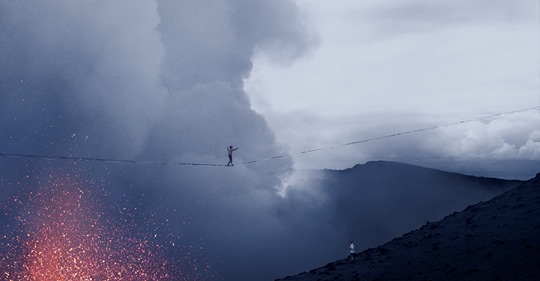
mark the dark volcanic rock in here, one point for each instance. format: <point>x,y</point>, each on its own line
<point>494,240</point>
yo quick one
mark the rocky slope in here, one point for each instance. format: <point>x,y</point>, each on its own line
<point>494,240</point>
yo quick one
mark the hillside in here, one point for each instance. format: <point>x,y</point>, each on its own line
<point>380,200</point>
<point>370,204</point>
<point>494,240</point>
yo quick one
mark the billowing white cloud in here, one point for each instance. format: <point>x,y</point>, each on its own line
<point>384,67</point>
<point>497,139</point>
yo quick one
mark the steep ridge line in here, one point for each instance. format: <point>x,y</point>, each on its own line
<point>497,239</point>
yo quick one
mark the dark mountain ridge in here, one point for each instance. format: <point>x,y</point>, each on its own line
<point>400,173</point>
<point>494,240</point>
<point>371,204</point>
<point>390,198</point>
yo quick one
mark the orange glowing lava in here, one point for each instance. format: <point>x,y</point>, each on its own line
<point>67,237</point>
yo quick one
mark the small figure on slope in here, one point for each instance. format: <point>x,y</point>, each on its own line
<point>230,150</point>
<point>351,250</point>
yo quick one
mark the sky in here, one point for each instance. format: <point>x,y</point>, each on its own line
<point>179,81</point>
<point>385,67</point>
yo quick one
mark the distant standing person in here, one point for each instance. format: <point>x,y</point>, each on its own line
<point>351,250</point>
<point>230,150</point>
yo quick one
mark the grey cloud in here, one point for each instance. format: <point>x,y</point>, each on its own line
<point>68,64</point>
<point>209,41</point>
<point>444,12</point>
<point>403,17</point>
<point>158,81</point>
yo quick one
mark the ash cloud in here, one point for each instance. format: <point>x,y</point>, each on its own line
<point>79,71</point>
<point>158,81</point>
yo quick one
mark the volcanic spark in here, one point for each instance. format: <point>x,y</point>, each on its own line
<point>64,234</point>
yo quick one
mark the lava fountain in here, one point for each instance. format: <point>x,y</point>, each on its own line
<point>63,233</point>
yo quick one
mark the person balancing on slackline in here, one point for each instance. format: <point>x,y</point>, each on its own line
<point>230,150</point>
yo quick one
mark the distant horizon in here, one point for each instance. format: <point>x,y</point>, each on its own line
<point>519,170</point>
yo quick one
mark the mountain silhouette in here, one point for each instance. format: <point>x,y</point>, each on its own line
<point>494,240</point>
